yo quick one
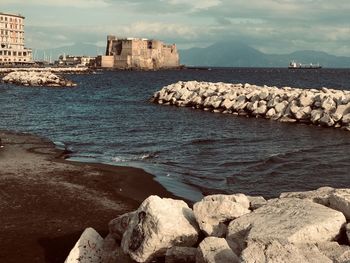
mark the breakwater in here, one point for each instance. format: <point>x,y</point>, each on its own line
<point>324,107</point>
<point>35,78</point>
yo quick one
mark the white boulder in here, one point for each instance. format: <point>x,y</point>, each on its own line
<point>215,250</point>
<point>213,213</point>
<point>278,252</point>
<point>291,220</point>
<point>159,224</point>
<point>88,249</point>
<point>340,201</point>
<point>320,196</point>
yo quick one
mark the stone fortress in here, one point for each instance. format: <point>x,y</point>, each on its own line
<point>12,49</point>
<point>135,53</point>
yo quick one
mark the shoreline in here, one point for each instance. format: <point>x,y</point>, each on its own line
<point>46,202</point>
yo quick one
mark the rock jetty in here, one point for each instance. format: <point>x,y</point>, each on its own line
<point>297,227</point>
<point>324,107</point>
<point>33,78</point>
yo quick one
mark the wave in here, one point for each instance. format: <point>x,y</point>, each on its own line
<point>141,157</point>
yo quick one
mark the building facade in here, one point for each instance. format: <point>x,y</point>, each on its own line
<point>12,49</point>
<point>134,53</point>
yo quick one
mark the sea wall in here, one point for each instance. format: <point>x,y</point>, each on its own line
<point>324,107</point>
<point>297,227</point>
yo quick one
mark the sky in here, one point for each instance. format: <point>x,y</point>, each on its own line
<point>271,26</point>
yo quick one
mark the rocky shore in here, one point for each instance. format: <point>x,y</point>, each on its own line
<point>324,107</point>
<point>297,227</point>
<point>37,78</point>
<point>46,201</point>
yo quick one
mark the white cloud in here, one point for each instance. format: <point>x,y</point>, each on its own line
<point>197,4</point>
<point>61,3</point>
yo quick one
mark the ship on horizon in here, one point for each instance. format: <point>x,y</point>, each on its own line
<point>295,65</point>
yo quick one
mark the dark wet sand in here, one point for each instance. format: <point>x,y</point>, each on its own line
<point>46,202</point>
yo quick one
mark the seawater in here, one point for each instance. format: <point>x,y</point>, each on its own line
<point>108,119</point>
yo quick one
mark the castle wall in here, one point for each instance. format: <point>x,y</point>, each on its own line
<point>105,61</point>
<point>141,53</point>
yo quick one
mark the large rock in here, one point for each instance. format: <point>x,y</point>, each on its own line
<point>112,252</point>
<point>118,226</point>
<point>157,225</point>
<point>288,219</point>
<point>316,115</point>
<point>340,200</point>
<point>215,250</point>
<point>320,196</point>
<point>335,252</point>
<point>306,99</point>
<point>341,111</point>
<point>214,212</point>
<point>326,120</point>
<point>278,252</point>
<point>88,249</point>
<point>256,202</point>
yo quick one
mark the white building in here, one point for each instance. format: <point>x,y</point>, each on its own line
<point>12,50</point>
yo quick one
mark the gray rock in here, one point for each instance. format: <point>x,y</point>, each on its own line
<point>316,115</point>
<point>340,112</point>
<point>335,252</point>
<point>214,212</point>
<point>346,119</point>
<point>88,249</point>
<point>320,196</point>
<point>159,224</point>
<point>293,220</point>
<point>118,226</point>
<point>112,252</point>
<point>326,120</point>
<point>227,104</point>
<point>340,201</point>
<point>306,99</point>
<point>278,252</point>
<point>241,199</point>
<point>328,104</point>
<point>215,250</point>
<point>256,202</point>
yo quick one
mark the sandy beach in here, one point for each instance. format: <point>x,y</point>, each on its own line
<point>46,202</point>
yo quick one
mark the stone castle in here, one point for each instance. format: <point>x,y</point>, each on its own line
<point>134,53</point>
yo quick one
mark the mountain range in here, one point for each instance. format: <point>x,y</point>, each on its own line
<point>235,54</point>
<point>221,54</point>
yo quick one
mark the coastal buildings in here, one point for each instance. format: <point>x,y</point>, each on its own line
<point>134,53</point>
<point>68,60</point>
<point>12,49</point>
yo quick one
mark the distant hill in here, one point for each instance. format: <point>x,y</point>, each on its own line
<point>78,49</point>
<point>236,54</point>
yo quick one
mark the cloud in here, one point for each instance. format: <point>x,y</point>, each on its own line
<point>61,3</point>
<point>275,26</point>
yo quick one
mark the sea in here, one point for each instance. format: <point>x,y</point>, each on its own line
<point>108,118</point>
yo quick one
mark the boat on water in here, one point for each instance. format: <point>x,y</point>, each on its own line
<point>295,65</point>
